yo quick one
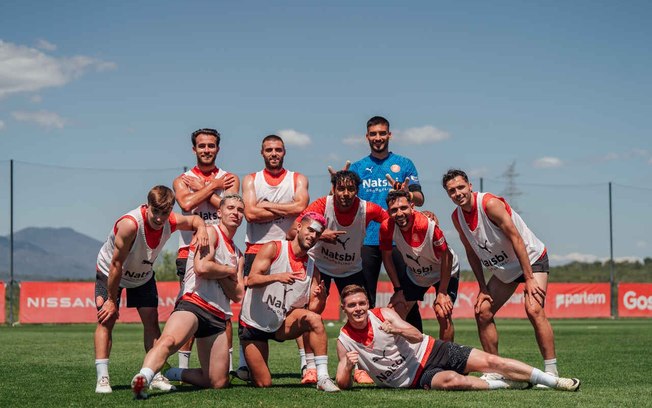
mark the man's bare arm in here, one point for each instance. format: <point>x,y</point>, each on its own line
<point>393,324</point>
<point>345,366</point>
<point>253,211</point>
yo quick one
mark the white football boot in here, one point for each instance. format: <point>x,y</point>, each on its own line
<point>103,385</point>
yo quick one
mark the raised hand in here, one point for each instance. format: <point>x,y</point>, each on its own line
<point>332,171</point>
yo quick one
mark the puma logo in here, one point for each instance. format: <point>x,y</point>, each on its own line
<point>485,246</point>
<point>369,169</point>
<point>377,359</point>
<point>414,259</point>
<point>146,262</point>
<point>343,243</point>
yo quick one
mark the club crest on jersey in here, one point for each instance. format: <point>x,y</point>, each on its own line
<point>395,168</point>
<point>499,259</point>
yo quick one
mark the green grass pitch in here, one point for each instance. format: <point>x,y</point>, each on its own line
<point>46,365</point>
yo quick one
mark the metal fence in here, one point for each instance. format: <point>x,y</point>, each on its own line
<point>572,220</point>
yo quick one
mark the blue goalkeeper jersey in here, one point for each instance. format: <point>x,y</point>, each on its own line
<point>375,186</point>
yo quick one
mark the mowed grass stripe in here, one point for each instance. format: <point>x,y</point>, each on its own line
<point>47,365</point>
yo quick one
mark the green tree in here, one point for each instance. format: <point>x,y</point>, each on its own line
<point>166,267</point>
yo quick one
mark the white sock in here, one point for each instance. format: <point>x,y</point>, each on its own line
<point>310,361</point>
<point>243,361</point>
<point>184,358</point>
<point>148,373</point>
<point>322,366</point>
<point>539,377</point>
<point>230,359</point>
<point>102,367</point>
<point>497,384</point>
<point>550,366</point>
<point>302,358</point>
<point>174,374</point>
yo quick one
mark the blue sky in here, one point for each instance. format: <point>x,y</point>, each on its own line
<point>97,101</point>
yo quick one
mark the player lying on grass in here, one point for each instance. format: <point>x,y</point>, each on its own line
<point>212,280</point>
<point>397,355</point>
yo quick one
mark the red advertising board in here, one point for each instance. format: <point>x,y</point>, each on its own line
<point>2,303</point>
<point>74,302</point>
<point>564,300</point>
<point>635,300</point>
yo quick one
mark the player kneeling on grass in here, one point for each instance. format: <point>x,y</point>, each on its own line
<point>213,278</point>
<point>397,355</point>
<point>282,282</point>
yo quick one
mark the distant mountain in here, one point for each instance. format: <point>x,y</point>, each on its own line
<point>49,254</point>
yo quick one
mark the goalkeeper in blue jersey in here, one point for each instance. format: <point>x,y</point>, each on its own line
<point>374,170</point>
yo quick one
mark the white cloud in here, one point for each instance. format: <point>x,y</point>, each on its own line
<point>573,257</point>
<point>2,125</point>
<point>547,163</point>
<point>633,154</point>
<point>641,244</point>
<point>45,45</point>
<point>588,258</point>
<point>49,120</point>
<point>420,135</point>
<point>477,172</point>
<point>354,140</point>
<point>25,69</point>
<point>294,138</point>
<point>36,99</point>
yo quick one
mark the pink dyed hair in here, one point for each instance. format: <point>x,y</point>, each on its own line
<point>315,217</point>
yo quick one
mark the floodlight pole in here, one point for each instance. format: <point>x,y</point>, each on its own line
<point>611,256</point>
<point>11,242</point>
<point>481,184</point>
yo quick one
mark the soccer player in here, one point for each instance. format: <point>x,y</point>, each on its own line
<point>373,170</point>
<point>273,197</point>
<point>125,261</point>
<point>282,282</point>
<point>496,237</point>
<point>398,355</point>
<point>199,191</point>
<point>337,255</point>
<point>428,259</point>
<point>213,279</point>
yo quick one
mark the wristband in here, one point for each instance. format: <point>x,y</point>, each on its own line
<point>397,288</point>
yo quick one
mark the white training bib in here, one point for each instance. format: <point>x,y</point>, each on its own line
<point>210,290</point>
<point>422,265</point>
<point>343,258</point>
<point>137,268</point>
<point>205,210</point>
<point>266,307</point>
<point>494,249</point>
<point>260,233</point>
<point>390,359</point>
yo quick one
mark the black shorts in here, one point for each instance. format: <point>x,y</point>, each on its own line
<point>355,279</point>
<point>181,267</point>
<point>413,292</point>
<point>540,266</point>
<point>248,333</point>
<point>145,295</point>
<point>209,324</point>
<point>444,356</point>
<point>249,260</point>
